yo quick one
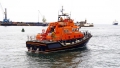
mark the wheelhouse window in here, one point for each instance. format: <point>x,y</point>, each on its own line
<point>74,29</point>
<point>66,31</point>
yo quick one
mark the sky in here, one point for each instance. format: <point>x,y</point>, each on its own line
<point>94,11</point>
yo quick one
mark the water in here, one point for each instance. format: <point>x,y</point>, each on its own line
<point>102,51</point>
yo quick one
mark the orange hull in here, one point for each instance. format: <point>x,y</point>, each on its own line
<point>63,34</point>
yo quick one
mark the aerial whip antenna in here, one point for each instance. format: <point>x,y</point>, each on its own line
<point>62,10</point>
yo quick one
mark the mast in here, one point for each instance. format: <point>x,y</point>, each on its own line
<point>62,10</point>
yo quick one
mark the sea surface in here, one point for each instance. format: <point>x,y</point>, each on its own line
<point>102,50</point>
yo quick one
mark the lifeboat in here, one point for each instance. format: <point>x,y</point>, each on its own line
<point>60,35</point>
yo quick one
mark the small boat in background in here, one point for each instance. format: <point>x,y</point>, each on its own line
<point>115,22</point>
<point>84,24</point>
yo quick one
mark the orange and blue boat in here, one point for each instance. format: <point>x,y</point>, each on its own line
<point>60,35</point>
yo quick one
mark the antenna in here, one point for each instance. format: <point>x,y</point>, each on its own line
<point>62,10</point>
<point>70,14</point>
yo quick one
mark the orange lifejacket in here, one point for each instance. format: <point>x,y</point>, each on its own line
<point>43,36</point>
<point>38,36</point>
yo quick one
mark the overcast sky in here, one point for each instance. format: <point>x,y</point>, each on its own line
<point>95,11</point>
